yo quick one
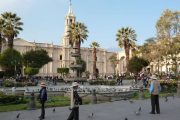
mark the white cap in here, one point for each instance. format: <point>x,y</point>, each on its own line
<point>153,77</point>
<point>74,84</point>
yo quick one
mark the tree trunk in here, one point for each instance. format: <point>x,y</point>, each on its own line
<point>127,56</point>
<point>10,41</point>
<point>94,62</point>
<point>158,66</point>
<point>0,43</point>
<point>166,66</point>
<point>79,47</point>
<point>114,70</point>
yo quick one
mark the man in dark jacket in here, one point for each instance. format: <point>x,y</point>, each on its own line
<point>42,98</point>
<point>75,102</point>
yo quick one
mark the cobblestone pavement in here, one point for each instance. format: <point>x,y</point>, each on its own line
<point>106,111</point>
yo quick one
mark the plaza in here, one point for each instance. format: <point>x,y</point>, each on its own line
<point>103,60</point>
<point>117,110</point>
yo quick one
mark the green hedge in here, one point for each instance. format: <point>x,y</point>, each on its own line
<point>11,99</point>
<point>63,70</point>
<point>102,82</point>
<point>8,83</point>
<point>170,86</point>
<point>1,93</point>
<point>31,71</point>
<point>20,84</point>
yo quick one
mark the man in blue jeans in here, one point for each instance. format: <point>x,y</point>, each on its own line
<point>154,90</point>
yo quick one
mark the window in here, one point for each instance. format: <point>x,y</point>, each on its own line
<point>70,21</point>
<point>60,57</point>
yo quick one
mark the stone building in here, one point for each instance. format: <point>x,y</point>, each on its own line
<point>61,54</point>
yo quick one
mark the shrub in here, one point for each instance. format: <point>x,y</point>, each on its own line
<point>63,70</point>
<point>168,85</point>
<point>31,71</point>
<point>8,83</point>
<point>11,99</point>
<point>1,93</point>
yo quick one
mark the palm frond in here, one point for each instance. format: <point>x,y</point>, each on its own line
<point>94,45</point>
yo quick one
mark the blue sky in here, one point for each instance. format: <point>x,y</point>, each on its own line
<point>44,19</point>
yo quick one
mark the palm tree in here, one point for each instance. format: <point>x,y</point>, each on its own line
<point>12,26</point>
<point>77,34</point>
<point>94,45</point>
<point>126,38</point>
<point>1,33</point>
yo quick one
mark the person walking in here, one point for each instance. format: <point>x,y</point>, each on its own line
<point>43,99</point>
<point>75,102</point>
<point>154,90</point>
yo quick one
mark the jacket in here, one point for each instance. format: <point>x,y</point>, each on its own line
<point>76,100</point>
<point>43,94</point>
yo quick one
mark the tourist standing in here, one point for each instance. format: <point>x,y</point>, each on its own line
<point>121,80</point>
<point>154,89</point>
<point>75,102</point>
<point>42,98</point>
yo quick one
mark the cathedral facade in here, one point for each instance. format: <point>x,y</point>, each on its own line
<point>61,54</point>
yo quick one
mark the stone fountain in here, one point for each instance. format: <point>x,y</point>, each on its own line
<point>75,66</point>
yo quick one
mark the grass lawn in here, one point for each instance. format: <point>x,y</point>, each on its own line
<point>5,108</point>
<point>147,95</point>
<point>59,101</point>
<point>53,101</point>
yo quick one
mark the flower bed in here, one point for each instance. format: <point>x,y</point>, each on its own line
<point>168,85</point>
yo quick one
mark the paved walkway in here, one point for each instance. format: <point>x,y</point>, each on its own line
<point>107,111</point>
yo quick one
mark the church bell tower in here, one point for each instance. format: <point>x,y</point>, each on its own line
<point>69,19</point>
